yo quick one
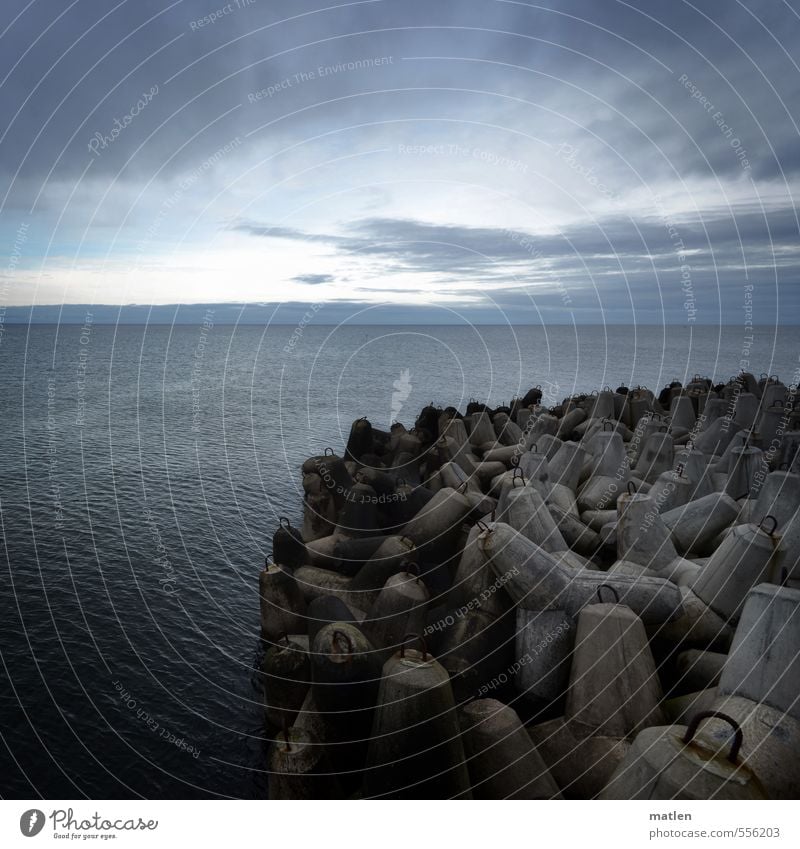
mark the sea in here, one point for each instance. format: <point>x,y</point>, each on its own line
<point>143,472</point>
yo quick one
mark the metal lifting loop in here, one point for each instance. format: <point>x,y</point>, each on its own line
<point>421,642</point>
<point>331,454</point>
<point>608,587</point>
<point>269,560</point>
<point>284,522</point>
<point>738,736</point>
<point>607,423</point>
<point>774,524</point>
<point>631,488</point>
<point>411,568</point>
<point>518,474</point>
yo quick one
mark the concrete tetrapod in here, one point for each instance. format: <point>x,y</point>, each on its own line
<point>581,766</point>
<point>474,582</point>
<point>502,760</point>
<point>642,536</point>
<point>764,661</point>
<point>298,768</point>
<point>286,676</point>
<point>565,467</point>
<point>658,455</point>
<point>779,497</point>
<point>282,604</point>
<point>527,513</point>
<point>537,581</point>
<point>315,582</point>
<point>771,738</point>
<point>434,529</point>
<point>345,671</point>
<point>694,525</point>
<point>415,750</point>
<point>388,560</point>
<point>672,763</point>
<point>745,557</point>
<point>544,639</point>
<point>288,547</point>
<point>614,689</point>
<point>398,610</point>
<point>743,472</point>
<point>789,549</point>
<point>670,489</point>
<point>322,611</point>
<point>474,650</point>
<point>578,536</point>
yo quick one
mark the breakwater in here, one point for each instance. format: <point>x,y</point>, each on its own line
<point>596,599</point>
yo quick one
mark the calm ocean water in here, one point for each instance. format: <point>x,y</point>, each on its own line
<point>142,473</point>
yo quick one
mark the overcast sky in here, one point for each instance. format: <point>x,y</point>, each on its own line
<point>591,160</point>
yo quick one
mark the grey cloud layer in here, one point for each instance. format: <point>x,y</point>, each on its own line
<point>649,93</point>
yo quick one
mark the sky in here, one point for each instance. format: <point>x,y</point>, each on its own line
<point>437,161</point>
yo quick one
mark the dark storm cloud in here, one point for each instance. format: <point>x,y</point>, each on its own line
<point>72,75</point>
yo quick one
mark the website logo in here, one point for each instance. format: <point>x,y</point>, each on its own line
<point>31,822</point>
